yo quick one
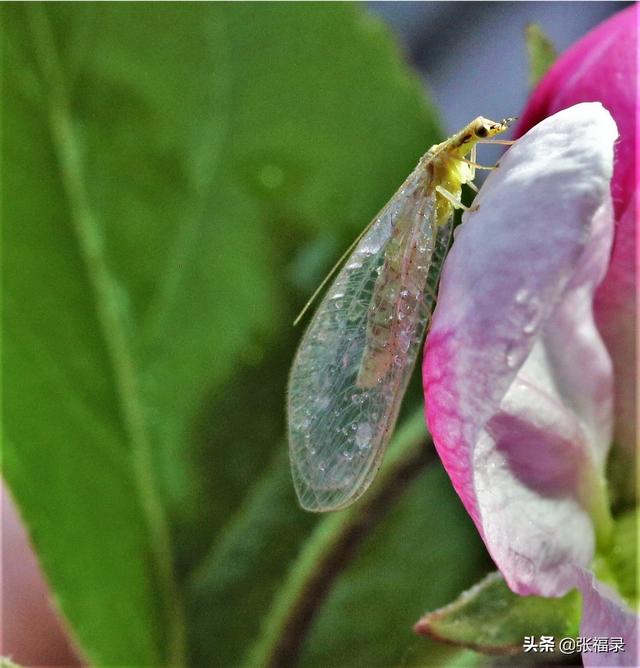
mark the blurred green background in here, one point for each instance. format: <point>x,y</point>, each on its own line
<point>177,179</point>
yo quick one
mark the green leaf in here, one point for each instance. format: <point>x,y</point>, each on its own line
<point>542,53</point>
<point>77,452</point>
<point>171,162</point>
<point>619,565</point>
<point>490,618</point>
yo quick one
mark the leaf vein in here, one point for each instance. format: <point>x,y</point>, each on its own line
<point>86,228</point>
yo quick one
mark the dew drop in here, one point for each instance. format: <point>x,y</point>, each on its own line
<point>323,402</point>
<point>322,466</point>
<point>363,436</point>
<point>512,360</point>
<point>404,341</point>
<point>397,360</point>
<point>347,455</point>
<point>529,328</point>
<point>522,295</point>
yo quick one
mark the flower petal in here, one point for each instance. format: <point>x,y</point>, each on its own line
<point>603,66</point>
<point>605,615</point>
<point>616,316</point>
<point>517,381</point>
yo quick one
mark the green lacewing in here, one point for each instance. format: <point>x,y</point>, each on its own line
<point>356,357</point>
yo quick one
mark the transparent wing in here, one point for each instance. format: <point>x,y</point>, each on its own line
<point>340,419</point>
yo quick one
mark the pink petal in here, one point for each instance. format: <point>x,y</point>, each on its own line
<point>33,631</point>
<point>603,66</point>
<point>517,381</point>
<point>605,615</point>
<point>616,316</point>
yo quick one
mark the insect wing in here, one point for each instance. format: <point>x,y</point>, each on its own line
<point>338,429</point>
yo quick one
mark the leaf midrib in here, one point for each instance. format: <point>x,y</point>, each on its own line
<point>112,329</point>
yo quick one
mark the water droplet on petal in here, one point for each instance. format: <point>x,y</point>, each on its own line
<point>522,295</point>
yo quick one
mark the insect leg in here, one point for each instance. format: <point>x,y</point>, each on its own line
<point>473,186</point>
<point>504,142</point>
<point>472,158</point>
<point>476,165</point>
<point>457,203</point>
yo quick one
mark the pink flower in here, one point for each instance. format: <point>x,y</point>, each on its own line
<point>523,399</point>
<point>603,67</point>
<point>518,383</point>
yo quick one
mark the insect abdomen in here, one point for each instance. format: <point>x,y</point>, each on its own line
<point>397,295</point>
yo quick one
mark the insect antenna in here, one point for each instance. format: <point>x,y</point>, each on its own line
<point>332,271</point>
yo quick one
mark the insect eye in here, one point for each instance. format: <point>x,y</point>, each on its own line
<point>482,131</point>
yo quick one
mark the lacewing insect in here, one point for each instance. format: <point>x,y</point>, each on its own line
<point>356,357</point>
